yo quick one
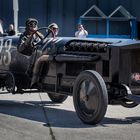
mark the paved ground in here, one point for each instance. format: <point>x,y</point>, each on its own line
<point>34,117</point>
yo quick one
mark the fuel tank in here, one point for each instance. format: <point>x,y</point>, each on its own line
<point>10,59</point>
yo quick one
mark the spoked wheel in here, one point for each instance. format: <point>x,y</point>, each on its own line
<point>90,97</point>
<point>57,98</point>
<point>10,83</point>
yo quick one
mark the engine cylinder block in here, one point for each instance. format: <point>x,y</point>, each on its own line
<point>83,46</point>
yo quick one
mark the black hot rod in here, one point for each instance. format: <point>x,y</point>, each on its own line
<point>96,72</point>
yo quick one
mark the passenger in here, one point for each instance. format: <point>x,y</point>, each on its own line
<point>54,28</point>
<point>81,33</point>
<point>44,57</point>
<point>11,30</point>
<point>26,41</point>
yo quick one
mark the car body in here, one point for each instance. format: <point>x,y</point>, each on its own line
<point>96,72</point>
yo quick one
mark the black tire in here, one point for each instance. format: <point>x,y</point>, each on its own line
<point>126,102</point>
<point>57,98</point>
<point>129,104</point>
<point>90,97</point>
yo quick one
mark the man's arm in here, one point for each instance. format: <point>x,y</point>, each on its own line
<point>77,34</point>
<point>24,45</point>
<point>85,32</point>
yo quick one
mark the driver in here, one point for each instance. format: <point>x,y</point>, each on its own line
<point>27,39</point>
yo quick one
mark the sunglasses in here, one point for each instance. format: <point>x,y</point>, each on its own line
<point>54,28</point>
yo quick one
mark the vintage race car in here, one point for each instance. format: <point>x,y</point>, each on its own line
<point>96,72</point>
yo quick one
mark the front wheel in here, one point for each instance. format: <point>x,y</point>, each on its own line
<point>90,97</point>
<point>57,98</point>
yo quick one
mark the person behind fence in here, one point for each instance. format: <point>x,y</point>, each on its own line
<point>81,32</point>
<point>1,28</point>
<point>11,30</point>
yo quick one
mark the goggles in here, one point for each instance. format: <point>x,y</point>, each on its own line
<point>32,24</point>
<point>54,28</point>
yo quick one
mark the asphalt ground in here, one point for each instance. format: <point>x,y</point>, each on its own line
<point>35,117</point>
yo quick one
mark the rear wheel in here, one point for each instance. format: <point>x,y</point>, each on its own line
<point>128,103</point>
<point>90,97</point>
<point>57,98</point>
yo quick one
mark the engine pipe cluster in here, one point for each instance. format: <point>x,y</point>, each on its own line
<point>86,46</point>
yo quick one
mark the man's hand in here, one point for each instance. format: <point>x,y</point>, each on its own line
<point>82,27</point>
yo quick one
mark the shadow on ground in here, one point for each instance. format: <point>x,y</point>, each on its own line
<point>44,113</point>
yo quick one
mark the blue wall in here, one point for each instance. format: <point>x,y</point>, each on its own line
<point>66,13</point>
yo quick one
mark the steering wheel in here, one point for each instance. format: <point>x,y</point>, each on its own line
<point>48,32</point>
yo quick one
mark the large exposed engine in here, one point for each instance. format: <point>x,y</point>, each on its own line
<point>86,46</point>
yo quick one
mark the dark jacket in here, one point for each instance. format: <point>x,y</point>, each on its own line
<point>25,44</point>
<point>10,33</point>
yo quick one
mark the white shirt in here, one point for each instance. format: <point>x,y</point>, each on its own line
<point>81,34</point>
<point>1,29</point>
